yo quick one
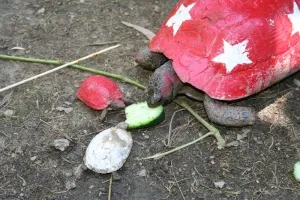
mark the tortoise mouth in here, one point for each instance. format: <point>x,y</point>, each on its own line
<point>153,105</point>
<point>153,100</point>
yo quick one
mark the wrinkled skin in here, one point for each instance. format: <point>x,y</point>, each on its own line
<point>164,85</point>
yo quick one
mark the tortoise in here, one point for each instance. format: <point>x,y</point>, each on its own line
<point>227,49</point>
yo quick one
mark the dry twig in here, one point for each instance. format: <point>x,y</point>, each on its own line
<point>58,68</point>
<point>110,187</point>
<point>80,67</point>
<point>213,132</point>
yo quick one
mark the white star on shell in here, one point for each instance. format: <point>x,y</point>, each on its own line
<point>295,19</point>
<point>182,15</point>
<point>233,55</point>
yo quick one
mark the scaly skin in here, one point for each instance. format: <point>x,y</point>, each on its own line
<point>150,60</point>
<point>224,114</point>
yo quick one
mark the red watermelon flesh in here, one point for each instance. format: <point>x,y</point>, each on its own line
<point>98,92</point>
<point>231,49</point>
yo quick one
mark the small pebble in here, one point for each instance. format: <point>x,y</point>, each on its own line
<point>116,176</point>
<point>91,187</point>
<point>33,158</point>
<point>70,184</point>
<point>297,82</point>
<point>38,162</point>
<point>68,173</point>
<point>219,184</point>
<point>246,130</point>
<point>8,113</point>
<point>142,173</point>
<point>41,11</point>
<point>61,144</point>
<point>64,109</point>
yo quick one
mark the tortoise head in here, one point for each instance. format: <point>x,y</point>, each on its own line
<point>163,85</point>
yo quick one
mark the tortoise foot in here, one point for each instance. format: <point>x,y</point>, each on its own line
<point>227,115</point>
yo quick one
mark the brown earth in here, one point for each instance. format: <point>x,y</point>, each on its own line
<point>258,165</point>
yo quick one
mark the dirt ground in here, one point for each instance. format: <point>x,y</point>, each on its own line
<point>256,165</point>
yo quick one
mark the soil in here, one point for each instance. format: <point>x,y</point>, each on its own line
<point>257,164</point>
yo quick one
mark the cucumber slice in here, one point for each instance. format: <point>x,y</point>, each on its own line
<point>139,115</point>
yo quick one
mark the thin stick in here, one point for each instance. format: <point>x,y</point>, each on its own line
<point>212,132</point>
<point>159,155</point>
<point>110,186</point>
<point>102,43</point>
<point>58,68</point>
<point>217,135</point>
<point>80,67</point>
<point>149,34</point>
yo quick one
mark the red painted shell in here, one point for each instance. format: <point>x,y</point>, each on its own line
<point>98,92</point>
<point>231,49</point>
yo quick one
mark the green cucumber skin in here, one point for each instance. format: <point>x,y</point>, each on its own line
<point>133,124</point>
<point>154,122</point>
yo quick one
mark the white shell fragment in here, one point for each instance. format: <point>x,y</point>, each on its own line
<point>108,150</point>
